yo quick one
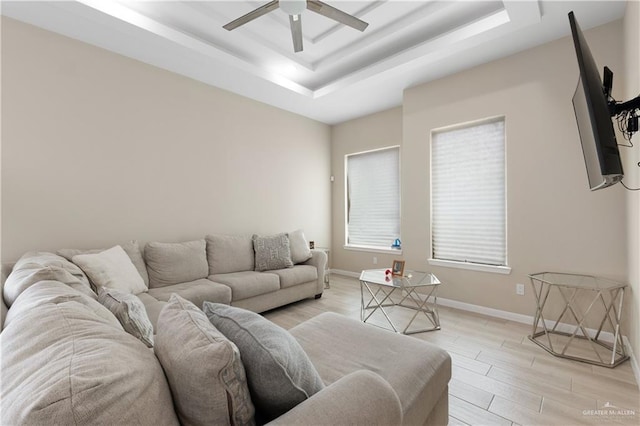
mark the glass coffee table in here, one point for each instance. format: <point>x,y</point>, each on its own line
<point>379,291</point>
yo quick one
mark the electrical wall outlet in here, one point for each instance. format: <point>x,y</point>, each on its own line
<point>520,289</point>
<point>375,260</point>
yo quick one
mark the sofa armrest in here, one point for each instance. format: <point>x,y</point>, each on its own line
<point>319,260</point>
<point>362,397</point>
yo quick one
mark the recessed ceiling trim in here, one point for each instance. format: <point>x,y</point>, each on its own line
<point>523,12</point>
<point>402,23</point>
<point>421,52</point>
<point>358,14</point>
<point>132,17</point>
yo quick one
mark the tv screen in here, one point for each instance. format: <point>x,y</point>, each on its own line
<point>590,103</point>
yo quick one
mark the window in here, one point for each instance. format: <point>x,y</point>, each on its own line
<point>373,198</point>
<point>468,201</point>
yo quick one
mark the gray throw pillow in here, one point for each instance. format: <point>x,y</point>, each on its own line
<point>203,368</point>
<point>272,252</point>
<point>130,311</point>
<point>279,372</point>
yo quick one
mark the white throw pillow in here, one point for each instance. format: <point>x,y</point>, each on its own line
<point>111,268</point>
<point>300,251</point>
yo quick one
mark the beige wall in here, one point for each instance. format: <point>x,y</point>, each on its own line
<point>631,78</point>
<point>98,148</point>
<point>554,222</point>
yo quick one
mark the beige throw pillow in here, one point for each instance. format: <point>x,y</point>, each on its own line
<point>130,311</point>
<point>132,248</point>
<point>111,268</point>
<point>203,367</point>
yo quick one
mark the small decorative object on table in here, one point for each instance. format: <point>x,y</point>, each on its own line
<point>398,268</point>
<point>397,244</point>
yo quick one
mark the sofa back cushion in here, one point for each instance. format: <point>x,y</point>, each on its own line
<point>174,263</point>
<point>227,254</point>
<point>34,267</point>
<point>63,364</point>
<point>203,368</point>
<point>132,248</point>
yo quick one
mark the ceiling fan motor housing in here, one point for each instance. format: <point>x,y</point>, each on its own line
<point>293,7</point>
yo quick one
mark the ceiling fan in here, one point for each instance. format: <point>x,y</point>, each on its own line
<point>294,9</point>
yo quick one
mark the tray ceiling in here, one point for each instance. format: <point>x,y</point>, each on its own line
<point>342,73</point>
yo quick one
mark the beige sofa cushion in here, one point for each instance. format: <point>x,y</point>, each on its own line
<point>132,248</point>
<point>418,372</point>
<point>248,284</point>
<point>279,373</point>
<point>203,368</point>
<point>196,292</point>
<point>130,311</point>
<point>227,253</point>
<point>62,364</point>
<point>300,251</point>
<point>111,268</point>
<point>174,263</point>
<point>299,274</point>
<point>34,267</point>
<point>153,307</point>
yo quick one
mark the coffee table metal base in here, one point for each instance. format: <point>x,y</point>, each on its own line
<point>380,297</point>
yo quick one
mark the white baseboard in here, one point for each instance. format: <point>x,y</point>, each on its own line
<point>345,273</point>
<point>524,319</point>
<point>632,359</point>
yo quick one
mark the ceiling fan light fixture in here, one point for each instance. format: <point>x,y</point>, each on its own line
<point>293,7</point>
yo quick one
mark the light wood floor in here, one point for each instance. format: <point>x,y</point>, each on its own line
<point>499,376</point>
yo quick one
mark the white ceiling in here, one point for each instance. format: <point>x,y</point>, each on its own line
<point>342,73</point>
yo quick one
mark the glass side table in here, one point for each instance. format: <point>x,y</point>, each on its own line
<point>376,290</point>
<point>583,298</point>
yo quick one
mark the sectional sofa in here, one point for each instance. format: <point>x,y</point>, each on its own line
<point>66,359</point>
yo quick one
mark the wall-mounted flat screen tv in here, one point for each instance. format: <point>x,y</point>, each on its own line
<point>590,103</point>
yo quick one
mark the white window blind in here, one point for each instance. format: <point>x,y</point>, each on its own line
<point>373,198</point>
<point>468,218</point>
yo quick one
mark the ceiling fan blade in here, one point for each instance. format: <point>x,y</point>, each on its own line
<point>262,10</point>
<point>336,14</point>
<point>296,31</point>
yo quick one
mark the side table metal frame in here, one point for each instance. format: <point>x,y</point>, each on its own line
<point>569,294</point>
<point>409,294</point>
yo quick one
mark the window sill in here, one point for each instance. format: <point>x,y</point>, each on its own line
<point>471,266</point>
<point>371,249</point>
